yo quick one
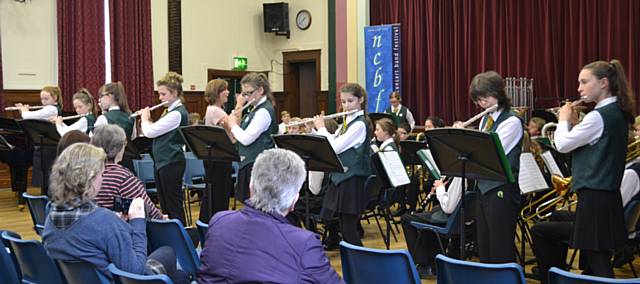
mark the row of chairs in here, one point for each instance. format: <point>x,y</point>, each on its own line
<point>26,261</point>
<point>367,265</point>
<point>34,263</point>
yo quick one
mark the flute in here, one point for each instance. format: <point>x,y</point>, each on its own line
<point>75,116</point>
<point>17,108</point>
<point>245,106</point>
<point>304,121</point>
<point>138,113</point>
<point>480,115</point>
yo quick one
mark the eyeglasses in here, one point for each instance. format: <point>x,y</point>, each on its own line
<point>104,94</point>
<point>249,93</point>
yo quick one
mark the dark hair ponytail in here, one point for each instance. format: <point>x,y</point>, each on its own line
<point>618,85</point>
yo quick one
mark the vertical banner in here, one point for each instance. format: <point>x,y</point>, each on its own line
<point>382,60</point>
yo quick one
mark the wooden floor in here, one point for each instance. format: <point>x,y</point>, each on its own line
<point>20,221</point>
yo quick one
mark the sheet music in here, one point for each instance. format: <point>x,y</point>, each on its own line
<point>430,162</point>
<point>551,164</point>
<point>395,169</point>
<point>530,178</point>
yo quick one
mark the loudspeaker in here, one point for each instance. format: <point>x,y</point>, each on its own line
<point>276,17</point>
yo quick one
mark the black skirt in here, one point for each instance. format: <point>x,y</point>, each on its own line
<point>599,221</point>
<point>348,197</point>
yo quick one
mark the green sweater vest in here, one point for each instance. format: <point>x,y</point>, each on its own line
<point>600,166</point>
<point>356,160</point>
<point>250,152</point>
<point>120,118</point>
<point>513,156</point>
<point>167,148</point>
<point>401,117</point>
<point>91,119</point>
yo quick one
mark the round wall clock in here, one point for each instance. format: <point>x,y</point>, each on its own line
<point>303,19</point>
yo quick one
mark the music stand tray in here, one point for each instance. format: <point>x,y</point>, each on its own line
<point>143,144</point>
<point>468,154</point>
<point>408,151</point>
<point>9,124</point>
<point>317,153</point>
<point>375,116</point>
<point>41,133</point>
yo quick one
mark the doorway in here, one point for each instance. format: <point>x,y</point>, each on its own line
<point>301,82</point>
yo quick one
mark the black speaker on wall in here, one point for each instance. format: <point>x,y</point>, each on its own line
<point>276,18</point>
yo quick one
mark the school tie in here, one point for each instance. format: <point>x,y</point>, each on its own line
<point>343,129</point>
<point>165,111</point>
<point>489,123</point>
<point>395,110</point>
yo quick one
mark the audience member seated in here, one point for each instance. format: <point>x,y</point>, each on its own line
<point>70,138</point>
<point>424,252</point>
<point>257,243</point>
<point>77,229</point>
<point>285,118</point>
<point>117,181</point>
<point>194,119</point>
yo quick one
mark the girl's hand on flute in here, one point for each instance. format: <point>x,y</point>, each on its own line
<point>145,114</point>
<point>458,124</point>
<point>232,120</point>
<point>318,121</point>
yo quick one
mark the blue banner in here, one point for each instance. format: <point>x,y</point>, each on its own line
<point>382,64</point>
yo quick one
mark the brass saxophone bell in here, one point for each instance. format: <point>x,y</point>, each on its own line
<point>560,184</point>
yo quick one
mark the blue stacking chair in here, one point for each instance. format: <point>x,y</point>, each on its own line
<point>145,172</point>
<point>371,266</point>
<point>35,264</point>
<point>193,170</point>
<point>80,272</point>
<point>7,245</point>
<point>122,277</point>
<point>8,272</point>
<point>459,271</point>
<point>202,231</point>
<point>559,276</point>
<point>172,233</point>
<point>38,210</point>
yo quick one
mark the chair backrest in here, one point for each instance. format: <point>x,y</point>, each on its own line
<point>172,233</point>
<point>631,215</point>
<point>35,264</point>
<point>38,210</point>
<point>459,271</point>
<point>559,276</point>
<point>194,168</point>
<point>373,191</point>
<point>144,170</point>
<point>367,265</point>
<point>8,272</point>
<point>80,272</point>
<point>122,277</point>
<point>7,245</point>
<point>202,231</point>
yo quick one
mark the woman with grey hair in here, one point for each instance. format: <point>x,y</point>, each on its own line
<point>257,244</point>
<point>78,230</point>
<point>118,182</point>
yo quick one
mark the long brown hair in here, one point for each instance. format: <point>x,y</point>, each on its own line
<point>618,85</point>
<point>257,80</point>
<point>489,84</point>
<point>213,89</point>
<point>116,90</point>
<point>85,97</point>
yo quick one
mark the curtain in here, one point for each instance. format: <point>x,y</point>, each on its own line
<point>445,43</point>
<point>80,47</point>
<point>131,61</point>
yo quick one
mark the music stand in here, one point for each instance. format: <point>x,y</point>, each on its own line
<point>9,124</point>
<point>5,145</point>
<point>209,143</point>
<point>44,134</point>
<point>317,154</point>
<point>143,144</point>
<point>408,153</point>
<point>468,154</point>
<point>375,116</point>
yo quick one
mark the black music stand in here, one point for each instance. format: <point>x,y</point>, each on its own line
<point>408,149</point>
<point>5,145</point>
<point>44,134</point>
<point>317,154</point>
<point>468,154</point>
<point>143,144</point>
<point>9,124</point>
<point>209,143</point>
<point>375,116</point>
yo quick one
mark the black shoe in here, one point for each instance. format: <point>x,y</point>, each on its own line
<point>330,244</point>
<point>425,271</point>
<point>622,258</point>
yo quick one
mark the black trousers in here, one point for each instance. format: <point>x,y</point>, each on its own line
<point>169,184</point>
<point>242,188</point>
<point>424,248</point>
<point>218,200</point>
<point>19,181</point>
<point>550,241</point>
<point>496,219</point>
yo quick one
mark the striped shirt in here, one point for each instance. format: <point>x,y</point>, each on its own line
<point>119,181</point>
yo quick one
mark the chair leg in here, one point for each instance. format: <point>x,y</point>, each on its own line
<point>573,256</point>
<point>187,207</point>
<point>385,238</point>
<point>440,243</point>
<point>635,275</point>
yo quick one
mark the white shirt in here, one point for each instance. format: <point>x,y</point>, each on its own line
<point>355,135</point>
<point>42,114</point>
<point>630,186</point>
<point>387,143</point>
<point>260,123</point>
<point>281,128</point>
<point>168,122</point>
<point>586,132</point>
<point>449,198</point>
<point>102,119</point>
<point>510,131</point>
<point>409,117</point>
<point>80,125</point>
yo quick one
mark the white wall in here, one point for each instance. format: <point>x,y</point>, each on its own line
<point>213,32</point>
<point>29,44</point>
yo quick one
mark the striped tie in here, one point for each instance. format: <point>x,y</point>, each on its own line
<point>488,124</point>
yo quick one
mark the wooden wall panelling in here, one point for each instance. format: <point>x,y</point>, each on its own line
<point>12,97</point>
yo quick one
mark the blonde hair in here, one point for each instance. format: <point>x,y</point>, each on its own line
<point>73,172</point>
<point>116,90</point>
<point>213,89</point>
<point>85,97</point>
<point>54,91</point>
<point>173,81</point>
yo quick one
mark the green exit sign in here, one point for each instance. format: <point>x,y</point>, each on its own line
<point>240,63</point>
